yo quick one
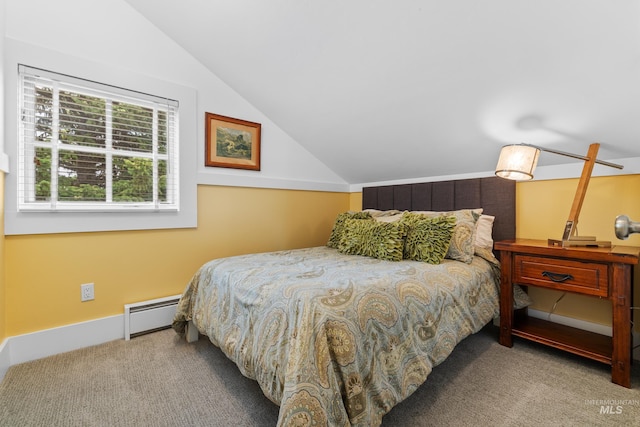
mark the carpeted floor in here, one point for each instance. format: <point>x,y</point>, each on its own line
<point>160,380</point>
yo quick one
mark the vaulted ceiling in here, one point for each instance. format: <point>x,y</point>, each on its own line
<point>387,90</point>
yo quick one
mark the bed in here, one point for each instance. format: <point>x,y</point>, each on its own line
<point>339,339</point>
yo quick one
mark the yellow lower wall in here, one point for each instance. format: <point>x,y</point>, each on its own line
<point>355,201</point>
<point>3,317</point>
<point>40,287</point>
<point>542,211</point>
<point>44,272</point>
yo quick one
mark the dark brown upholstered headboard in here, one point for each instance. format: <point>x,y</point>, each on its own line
<point>495,195</point>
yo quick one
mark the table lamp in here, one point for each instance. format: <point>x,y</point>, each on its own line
<point>518,161</point>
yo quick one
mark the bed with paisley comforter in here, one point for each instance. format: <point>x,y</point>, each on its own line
<point>337,339</point>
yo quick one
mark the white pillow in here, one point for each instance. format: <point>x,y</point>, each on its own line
<point>376,213</point>
<point>484,231</point>
<point>390,218</point>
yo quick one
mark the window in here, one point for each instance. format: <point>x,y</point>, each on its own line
<point>86,146</point>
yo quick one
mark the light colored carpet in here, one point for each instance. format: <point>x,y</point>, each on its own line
<point>160,380</point>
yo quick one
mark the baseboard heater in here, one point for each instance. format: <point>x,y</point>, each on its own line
<point>149,316</point>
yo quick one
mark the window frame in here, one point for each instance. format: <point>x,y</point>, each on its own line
<point>18,222</point>
<point>29,79</point>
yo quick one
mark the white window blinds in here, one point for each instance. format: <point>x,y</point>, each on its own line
<point>87,146</point>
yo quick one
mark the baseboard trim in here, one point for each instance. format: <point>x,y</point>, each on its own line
<point>5,360</point>
<point>36,345</point>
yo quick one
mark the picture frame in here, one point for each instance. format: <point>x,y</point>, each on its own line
<point>232,143</point>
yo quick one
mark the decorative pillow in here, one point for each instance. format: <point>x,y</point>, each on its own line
<point>338,226</point>
<point>484,231</point>
<point>427,239</point>
<point>462,247</point>
<point>382,240</point>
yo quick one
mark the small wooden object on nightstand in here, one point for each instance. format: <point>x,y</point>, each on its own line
<point>601,272</point>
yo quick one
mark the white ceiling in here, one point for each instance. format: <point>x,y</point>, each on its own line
<point>386,90</point>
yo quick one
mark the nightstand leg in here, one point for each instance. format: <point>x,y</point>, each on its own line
<point>506,300</point>
<point>621,356</point>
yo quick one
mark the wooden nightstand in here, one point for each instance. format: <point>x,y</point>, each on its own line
<point>599,272</point>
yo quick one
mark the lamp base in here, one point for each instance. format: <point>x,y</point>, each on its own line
<point>584,241</point>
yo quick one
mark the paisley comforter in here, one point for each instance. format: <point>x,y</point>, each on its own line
<point>338,339</point>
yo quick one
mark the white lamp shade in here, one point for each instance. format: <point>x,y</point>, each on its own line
<point>517,162</point>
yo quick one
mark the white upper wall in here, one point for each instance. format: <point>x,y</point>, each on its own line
<point>113,33</point>
<point>4,160</point>
<point>383,90</point>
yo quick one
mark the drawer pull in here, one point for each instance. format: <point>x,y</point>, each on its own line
<point>557,277</point>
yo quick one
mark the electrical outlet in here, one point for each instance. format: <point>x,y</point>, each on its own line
<point>86,292</point>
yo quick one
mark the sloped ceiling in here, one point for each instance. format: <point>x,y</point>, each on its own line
<point>389,90</point>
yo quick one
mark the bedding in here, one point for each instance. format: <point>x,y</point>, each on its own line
<point>382,240</point>
<point>338,339</point>
<point>465,234</point>
<point>428,239</point>
<point>462,247</point>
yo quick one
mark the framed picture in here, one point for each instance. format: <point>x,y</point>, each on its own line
<point>231,143</point>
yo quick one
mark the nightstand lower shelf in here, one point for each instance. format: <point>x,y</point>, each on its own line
<point>583,343</point>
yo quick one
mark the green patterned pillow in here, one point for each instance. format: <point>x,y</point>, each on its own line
<point>382,240</point>
<point>338,227</point>
<point>462,247</point>
<point>427,239</point>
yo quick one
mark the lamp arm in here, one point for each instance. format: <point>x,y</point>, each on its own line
<point>570,228</point>
<point>517,163</point>
<point>575,156</point>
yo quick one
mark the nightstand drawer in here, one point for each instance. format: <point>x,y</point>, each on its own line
<point>562,274</point>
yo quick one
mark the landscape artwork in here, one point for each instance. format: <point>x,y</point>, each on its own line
<point>232,143</point>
